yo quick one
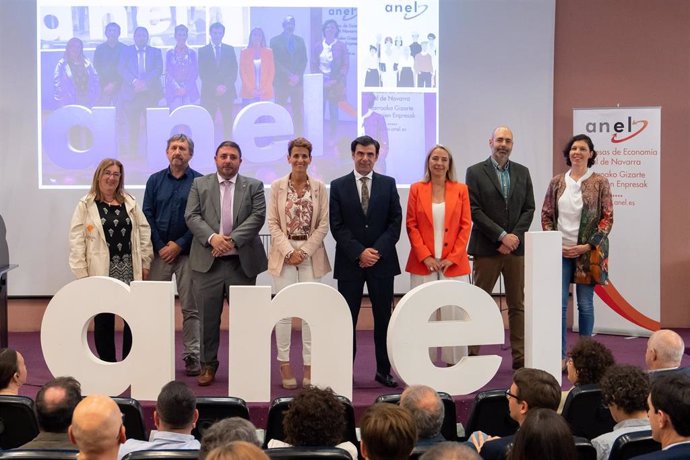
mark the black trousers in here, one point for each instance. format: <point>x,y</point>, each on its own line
<point>104,336</point>
<point>381,296</point>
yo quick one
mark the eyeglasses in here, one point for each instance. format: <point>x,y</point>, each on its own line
<point>511,395</point>
<point>116,175</point>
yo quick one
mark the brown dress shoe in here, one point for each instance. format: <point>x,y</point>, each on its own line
<point>208,375</point>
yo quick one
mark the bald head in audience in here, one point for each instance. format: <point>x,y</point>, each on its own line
<point>97,428</point>
<point>665,350</point>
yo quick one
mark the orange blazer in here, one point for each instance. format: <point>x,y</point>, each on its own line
<point>248,76</point>
<point>420,228</point>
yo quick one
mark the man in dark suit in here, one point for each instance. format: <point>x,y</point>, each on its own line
<point>502,203</point>
<point>290,56</point>
<point>365,217</point>
<point>218,74</point>
<point>669,416</point>
<point>141,67</point>
<point>225,212</point>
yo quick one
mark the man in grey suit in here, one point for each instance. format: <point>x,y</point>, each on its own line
<point>502,203</point>
<point>225,212</point>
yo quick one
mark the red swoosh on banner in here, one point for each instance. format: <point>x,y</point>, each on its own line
<point>636,122</point>
<point>614,299</point>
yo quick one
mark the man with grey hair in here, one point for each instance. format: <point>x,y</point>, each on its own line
<point>450,451</point>
<point>427,411</point>
<point>664,352</point>
<point>97,428</point>
<point>225,431</point>
<point>165,200</point>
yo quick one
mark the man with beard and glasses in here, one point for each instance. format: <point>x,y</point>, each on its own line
<point>502,204</point>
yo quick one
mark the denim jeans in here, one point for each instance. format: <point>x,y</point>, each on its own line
<point>585,303</point>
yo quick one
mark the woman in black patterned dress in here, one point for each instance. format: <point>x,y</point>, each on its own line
<point>109,236</point>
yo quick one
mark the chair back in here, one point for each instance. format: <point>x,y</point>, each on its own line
<point>449,428</point>
<point>632,444</point>
<point>18,423</point>
<point>491,415</point>
<point>585,449</point>
<point>133,418</point>
<point>40,454</point>
<point>212,409</point>
<point>276,414</point>
<point>297,453</point>
<point>585,413</point>
<point>179,454</point>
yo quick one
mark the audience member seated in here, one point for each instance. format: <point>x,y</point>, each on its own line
<point>55,403</point>
<point>174,418</point>
<point>543,435</point>
<point>624,390</point>
<point>97,428</point>
<point>388,432</point>
<point>427,412</point>
<point>225,431</point>
<point>450,451</point>
<point>237,450</point>
<point>316,418</point>
<point>586,364</point>
<point>12,371</point>
<point>531,389</point>
<point>664,352</point>
<point>669,416</point>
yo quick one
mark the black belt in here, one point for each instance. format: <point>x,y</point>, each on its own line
<point>230,257</point>
<point>298,237</point>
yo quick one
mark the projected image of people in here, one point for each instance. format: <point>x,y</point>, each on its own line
<point>141,67</point>
<point>106,59</point>
<point>388,63</point>
<point>257,69</point>
<point>290,54</point>
<point>75,78</point>
<point>372,76</point>
<point>330,57</point>
<point>181,71</point>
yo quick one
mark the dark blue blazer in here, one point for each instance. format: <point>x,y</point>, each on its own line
<point>354,232</point>
<point>679,452</point>
<point>129,70</point>
<point>496,449</point>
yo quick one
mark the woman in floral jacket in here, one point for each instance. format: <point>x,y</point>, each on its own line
<point>578,204</point>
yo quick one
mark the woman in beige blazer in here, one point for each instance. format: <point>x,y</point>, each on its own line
<point>298,222</point>
<point>109,236</point>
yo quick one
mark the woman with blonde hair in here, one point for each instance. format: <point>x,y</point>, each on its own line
<point>439,221</point>
<point>110,236</point>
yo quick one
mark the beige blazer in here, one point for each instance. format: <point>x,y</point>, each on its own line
<point>280,245</point>
<point>88,251</point>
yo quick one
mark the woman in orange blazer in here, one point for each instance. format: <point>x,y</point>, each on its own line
<point>257,69</point>
<point>438,225</point>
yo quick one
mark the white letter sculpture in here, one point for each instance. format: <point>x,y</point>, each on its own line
<point>411,334</point>
<point>252,318</point>
<point>148,308</point>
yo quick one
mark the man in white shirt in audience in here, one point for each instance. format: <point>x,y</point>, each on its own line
<point>175,417</point>
<point>624,390</point>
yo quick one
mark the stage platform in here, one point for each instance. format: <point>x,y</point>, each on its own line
<point>627,350</point>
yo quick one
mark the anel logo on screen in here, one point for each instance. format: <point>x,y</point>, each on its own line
<point>411,10</point>
<point>622,130</point>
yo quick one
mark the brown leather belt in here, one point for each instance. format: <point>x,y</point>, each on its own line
<point>298,237</point>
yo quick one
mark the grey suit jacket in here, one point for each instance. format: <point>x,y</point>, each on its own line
<point>249,213</point>
<point>491,214</point>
